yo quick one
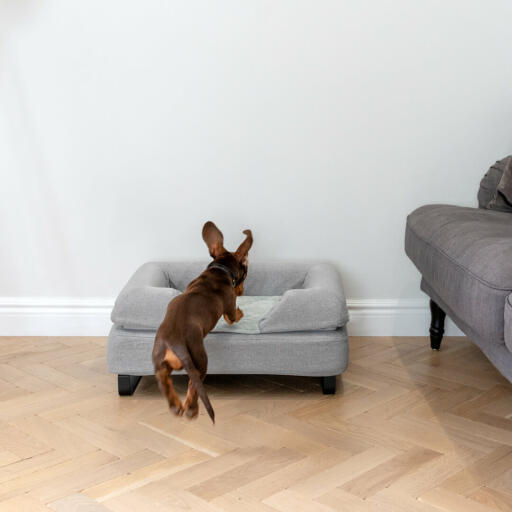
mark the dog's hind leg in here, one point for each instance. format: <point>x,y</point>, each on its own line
<point>201,363</point>
<point>163,377</point>
<point>191,406</point>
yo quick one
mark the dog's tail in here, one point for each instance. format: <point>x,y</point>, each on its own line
<point>183,355</point>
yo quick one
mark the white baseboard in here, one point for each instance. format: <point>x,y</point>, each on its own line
<point>393,317</point>
<point>55,316</point>
<point>47,316</point>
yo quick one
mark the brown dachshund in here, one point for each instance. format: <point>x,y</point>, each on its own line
<point>193,314</point>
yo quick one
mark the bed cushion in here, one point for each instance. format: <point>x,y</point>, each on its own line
<point>254,308</point>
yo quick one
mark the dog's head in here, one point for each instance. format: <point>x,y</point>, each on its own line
<point>236,261</point>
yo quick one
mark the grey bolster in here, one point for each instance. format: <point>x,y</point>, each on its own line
<point>143,302</point>
<point>318,305</point>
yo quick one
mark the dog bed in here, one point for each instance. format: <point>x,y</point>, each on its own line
<point>294,322</point>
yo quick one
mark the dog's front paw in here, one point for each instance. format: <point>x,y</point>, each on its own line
<point>239,315</point>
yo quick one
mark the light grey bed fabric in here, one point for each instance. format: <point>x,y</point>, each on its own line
<point>263,278</point>
<point>313,354</point>
<point>312,294</point>
<point>143,301</point>
<point>318,304</point>
<point>466,253</point>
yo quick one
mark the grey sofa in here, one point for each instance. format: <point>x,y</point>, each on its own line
<point>465,259</point>
<point>304,333</point>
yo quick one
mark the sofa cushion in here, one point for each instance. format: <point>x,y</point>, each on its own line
<point>505,184</point>
<point>495,187</point>
<point>312,295</point>
<point>465,255</point>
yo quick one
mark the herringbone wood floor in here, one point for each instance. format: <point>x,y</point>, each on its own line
<point>411,430</point>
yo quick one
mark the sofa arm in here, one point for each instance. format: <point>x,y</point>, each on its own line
<point>143,302</point>
<point>319,305</point>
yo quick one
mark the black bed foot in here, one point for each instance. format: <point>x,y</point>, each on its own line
<point>436,325</point>
<point>126,384</point>
<point>329,385</point>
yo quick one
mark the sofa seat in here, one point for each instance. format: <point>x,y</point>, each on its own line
<point>465,257</point>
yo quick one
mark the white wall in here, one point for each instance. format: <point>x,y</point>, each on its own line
<point>124,125</point>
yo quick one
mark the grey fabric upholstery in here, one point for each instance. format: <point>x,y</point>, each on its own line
<point>496,352</point>
<point>312,354</point>
<point>312,296</point>
<point>143,301</point>
<point>505,184</point>
<point>465,255</point>
<point>495,191</point>
<point>312,299</point>
<point>318,304</point>
<point>263,278</point>
<point>508,322</point>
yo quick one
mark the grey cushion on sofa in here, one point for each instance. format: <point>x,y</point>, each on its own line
<point>312,294</point>
<point>495,191</point>
<point>466,253</point>
<point>505,184</point>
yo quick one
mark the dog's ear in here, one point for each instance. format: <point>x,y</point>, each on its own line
<point>241,252</point>
<point>214,239</point>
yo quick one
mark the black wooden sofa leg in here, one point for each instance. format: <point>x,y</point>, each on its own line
<point>126,384</point>
<point>329,385</point>
<point>436,325</point>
